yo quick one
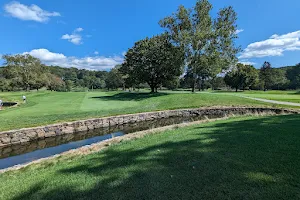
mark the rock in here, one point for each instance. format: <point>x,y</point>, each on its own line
<point>105,122</point>
<point>50,134</point>
<point>32,134</point>
<point>41,133</point>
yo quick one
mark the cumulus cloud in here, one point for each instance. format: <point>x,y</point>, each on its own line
<point>96,52</point>
<point>29,13</point>
<point>75,37</point>
<point>90,62</point>
<point>239,31</point>
<point>276,45</point>
<point>46,56</point>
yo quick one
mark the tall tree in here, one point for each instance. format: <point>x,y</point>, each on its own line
<point>266,75</point>
<point>154,61</point>
<point>114,79</point>
<point>208,43</point>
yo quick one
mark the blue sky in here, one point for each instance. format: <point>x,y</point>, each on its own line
<point>94,34</point>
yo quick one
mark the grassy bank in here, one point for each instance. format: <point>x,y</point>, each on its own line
<point>241,158</point>
<point>45,107</point>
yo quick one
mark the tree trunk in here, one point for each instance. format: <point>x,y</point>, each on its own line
<point>152,89</point>
<point>236,89</point>
<point>193,85</point>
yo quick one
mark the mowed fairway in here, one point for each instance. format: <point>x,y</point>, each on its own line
<point>288,96</point>
<point>285,96</point>
<point>240,158</point>
<point>46,107</point>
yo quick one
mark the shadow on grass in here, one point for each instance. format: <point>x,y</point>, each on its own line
<point>249,159</point>
<point>127,96</point>
<point>297,92</point>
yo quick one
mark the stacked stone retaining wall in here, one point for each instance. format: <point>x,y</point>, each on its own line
<point>20,136</point>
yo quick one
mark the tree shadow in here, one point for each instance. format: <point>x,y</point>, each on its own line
<point>297,92</point>
<point>242,159</point>
<point>127,96</point>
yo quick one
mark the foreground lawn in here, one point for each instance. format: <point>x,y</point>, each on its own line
<point>241,158</point>
<point>46,107</point>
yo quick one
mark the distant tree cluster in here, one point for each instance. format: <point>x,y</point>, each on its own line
<point>266,78</point>
<point>25,72</point>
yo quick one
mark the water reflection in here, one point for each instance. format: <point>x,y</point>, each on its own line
<point>26,152</point>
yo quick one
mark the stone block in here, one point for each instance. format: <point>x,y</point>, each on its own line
<point>50,134</point>
<point>97,123</point>
<point>40,132</point>
<point>105,122</point>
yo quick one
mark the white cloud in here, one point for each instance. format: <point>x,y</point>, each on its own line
<point>276,45</point>
<point>96,52</point>
<point>90,62</point>
<point>32,12</point>
<point>239,31</point>
<point>75,37</point>
<point>78,29</point>
<point>246,62</point>
<point>47,56</point>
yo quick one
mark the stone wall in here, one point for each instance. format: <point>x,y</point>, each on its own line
<point>20,136</point>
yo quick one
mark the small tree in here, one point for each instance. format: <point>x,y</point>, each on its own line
<point>154,61</point>
<point>69,85</point>
<point>241,76</point>
<point>55,83</point>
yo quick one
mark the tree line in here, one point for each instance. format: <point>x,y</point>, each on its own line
<point>25,72</point>
<point>195,51</point>
<point>247,77</point>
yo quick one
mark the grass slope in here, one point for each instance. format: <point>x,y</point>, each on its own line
<point>46,107</point>
<point>241,158</point>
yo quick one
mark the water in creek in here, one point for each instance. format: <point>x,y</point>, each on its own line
<point>27,152</point>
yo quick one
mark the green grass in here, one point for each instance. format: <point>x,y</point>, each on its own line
<point>287,96</point>
<point>241,158</point>
<point>46,107</point>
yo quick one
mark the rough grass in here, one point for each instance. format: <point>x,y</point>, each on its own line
<point>45,107</point>
<point>241,158</point>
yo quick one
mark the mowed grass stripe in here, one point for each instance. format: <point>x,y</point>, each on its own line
<point>46,107</point>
